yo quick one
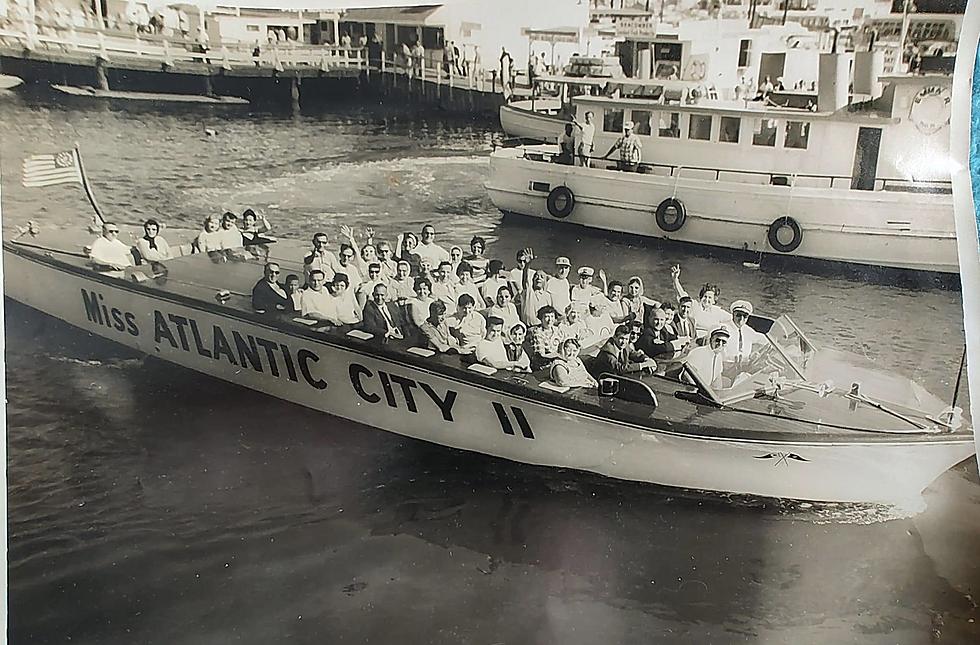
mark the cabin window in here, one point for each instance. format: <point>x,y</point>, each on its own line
<point>699,129</point>
<point>765,133</point>
<point>670,125</point>
<point>797,135</point>
<point>730,126</point>
<point>612,121</point>
<point>251,27</point>
<point>744,50</point>
<point>641,119</point>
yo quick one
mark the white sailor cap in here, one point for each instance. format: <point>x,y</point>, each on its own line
<point>562,261</point>
<point>719,331</point>
<point>586,272</point>
<point>741,305</point>
<point>628,125</point>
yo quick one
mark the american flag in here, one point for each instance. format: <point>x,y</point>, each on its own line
<point>48,170</point>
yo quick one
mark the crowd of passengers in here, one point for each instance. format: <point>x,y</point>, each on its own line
<point>523,319</point>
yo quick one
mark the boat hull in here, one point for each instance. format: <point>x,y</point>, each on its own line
<point>351,382</point>
<point>901,230</point>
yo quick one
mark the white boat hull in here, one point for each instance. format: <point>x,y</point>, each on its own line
<point>519,120</point>
<point>901,230</point>
<point>351,383</point>
<point>9,82</point>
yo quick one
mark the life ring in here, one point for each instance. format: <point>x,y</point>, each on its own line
<point>781,223</point>
<point>671,215</point>
<point>561,202</point>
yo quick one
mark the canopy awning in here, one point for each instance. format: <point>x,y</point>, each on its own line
<point>394,15</point>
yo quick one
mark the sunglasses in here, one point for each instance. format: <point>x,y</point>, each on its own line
<point>270,272</point>
<point>112,230</point>
<point>348,256</point>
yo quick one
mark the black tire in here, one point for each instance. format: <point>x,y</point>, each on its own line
<point>671,215</point>
<point>777,226</point>
<point>561,202</point>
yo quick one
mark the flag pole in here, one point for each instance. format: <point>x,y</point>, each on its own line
<point>99,217</point>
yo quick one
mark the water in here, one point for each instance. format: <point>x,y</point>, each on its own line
<point>150,504</point>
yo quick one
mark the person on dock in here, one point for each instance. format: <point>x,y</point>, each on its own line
<point>616,356</point>
<point>152,247</point>
<point>568,370</point>
<point>436,330</point>
<point>378,317</point>
<point>320,258</point>
<point>428,247</point>
<point>108,251</point>
<point>269,295</point>
<point>630,149</point>
<point>468,325</point>
<point>706,311</point>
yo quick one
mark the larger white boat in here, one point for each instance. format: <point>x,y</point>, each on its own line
<point>784,430</point>
<point>865,183</point>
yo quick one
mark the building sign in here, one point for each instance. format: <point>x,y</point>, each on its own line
<point>552,35</point>
<point>636,27</point>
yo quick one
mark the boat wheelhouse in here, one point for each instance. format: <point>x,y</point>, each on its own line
<point>781,428</point>
<point>863,183</point>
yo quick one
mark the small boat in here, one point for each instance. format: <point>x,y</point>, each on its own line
<point>158,97</point>
<point>803,422</point>
<point>863,184</point>
<point>9,82</point>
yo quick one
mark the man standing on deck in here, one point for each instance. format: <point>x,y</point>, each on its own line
<point>558,285</point>
<point>107,252</point>
<point>321,258</point>
<point>586,146</point>
<point>630,149</point>
<point>428,248</point>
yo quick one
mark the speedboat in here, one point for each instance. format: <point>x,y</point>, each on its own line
<point>797,422</point>
<point>9,82</point>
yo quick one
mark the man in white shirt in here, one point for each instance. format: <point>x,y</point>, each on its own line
<point>534,299</point>
<point>491,351</point>
<point>707,361</point>
<point>108,252</point>
<point>497,277</point>
<point>428,248</point>
<point>442,287</point>
<point>320,258</point>
<point>585,291</point>
<point>586,139</point>
<point>558,285</point>
<point>347,264</point>
<point>468,325</point>
<point>317,303</point>
<point>230,237</point>
<point>744,340</point>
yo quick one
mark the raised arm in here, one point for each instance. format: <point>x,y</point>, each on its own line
<point>675,276</point>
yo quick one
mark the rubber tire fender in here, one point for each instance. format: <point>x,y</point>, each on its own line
<point>561,194</point>
<point>663,207</point>
<point>773,237</point>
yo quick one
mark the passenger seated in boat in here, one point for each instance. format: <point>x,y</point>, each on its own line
<point>491,351</point>
<point>574,327</point>
<point>630,149</point>
<point>684,322</point>
<point>455,259</point>
<point>295,293</point>
<point>706,312</point>
<point>558,285</point>
<point>347,264</point>
<point>546,339</point>
<point>268,294</point>
<point>585,292</point>
<point>744,340</point>
<point>436,330</point>
<point>616,356</point>
<point>405,250</point>
<point>317,302</point>
<point>229,237</point>
<point>403,284</point>
<point>465,284</point>
<point>428,247</point>
<point>514,345</point>
<point>442,287</point>
<point>107,252</point>
<point>517,277</point>
<point>671,312</point>
<point>366,288</point>
<point>348,311</point>
<point>378,318</point>
<point>476,260</point>
<point>418,307</point>
<point>708,361</point>
<point>568,144</point>
<point>389,266</point>
<point>534,298</point>
<point>617,308</point>
<point>497,276</point>
<point>254,227</point>
<point>636,299</point>
<point>152,247</point>
<point>504,308</point>
<point>468,324</point>
<point>656,340</point>
<point>599,324</point>
<point>209,239</point>
<point>320,258</point>
<point>568,370</point>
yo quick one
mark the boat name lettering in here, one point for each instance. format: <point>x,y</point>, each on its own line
<point>388,381</point>
<point>238,349</point>
<point>97,311</point>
